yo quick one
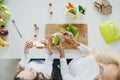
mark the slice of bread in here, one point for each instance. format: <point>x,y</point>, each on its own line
<point>38,44</point>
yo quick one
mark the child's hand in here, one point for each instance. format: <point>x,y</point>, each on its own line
<point>46,43</point>
<point>28,45</point>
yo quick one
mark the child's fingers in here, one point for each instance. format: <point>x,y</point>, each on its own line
<point>28,44</point>
<point>31,45</point>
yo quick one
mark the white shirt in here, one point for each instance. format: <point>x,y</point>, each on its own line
<point>85,68</point>
<point>45,68</point>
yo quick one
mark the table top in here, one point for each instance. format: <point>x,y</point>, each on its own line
<point>26,13</point>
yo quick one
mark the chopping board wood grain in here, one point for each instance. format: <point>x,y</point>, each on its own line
<point>53,28</point>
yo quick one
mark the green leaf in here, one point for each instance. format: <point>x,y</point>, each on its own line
<point>81,9</point>
<point>73,30</point>
<point>57,40</point>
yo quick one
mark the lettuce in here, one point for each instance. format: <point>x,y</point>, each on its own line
<point>57,40</point>
<point>62,30</point>
<point>73,30</point>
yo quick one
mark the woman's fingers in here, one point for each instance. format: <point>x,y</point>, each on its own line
<point>59,47</point>
<point>68,35</point>
<point>44,42</point>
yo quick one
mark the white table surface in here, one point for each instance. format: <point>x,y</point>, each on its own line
<point>28,12</point>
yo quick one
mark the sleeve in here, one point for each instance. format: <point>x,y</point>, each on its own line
<point>83,48</point>
<point>47,69</point>
<point>65,71</point>
<point>24,60</point>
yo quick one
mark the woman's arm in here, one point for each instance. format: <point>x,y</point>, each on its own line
<point>69,37</point>
<point>64,67</point>
<point>65,70</point>
<point>83,48</point>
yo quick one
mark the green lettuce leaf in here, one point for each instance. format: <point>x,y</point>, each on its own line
<point>57,40</point>
<point>73,30</point>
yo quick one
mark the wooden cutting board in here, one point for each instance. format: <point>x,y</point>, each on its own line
<point>53,28</point>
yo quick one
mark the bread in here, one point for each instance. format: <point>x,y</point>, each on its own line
<point>58,34</point>
<point>38,45</point>
<point>103,6</point>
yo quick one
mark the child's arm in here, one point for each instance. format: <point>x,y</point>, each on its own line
<point>48,61</point>
<point>25,57</point>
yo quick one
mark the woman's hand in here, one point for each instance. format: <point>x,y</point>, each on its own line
<point>69,37</point>
<point>46,43</point>
<point>60,50</point>
<point>28,45</point>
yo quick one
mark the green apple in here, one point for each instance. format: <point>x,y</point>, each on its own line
<point>6,14</point>
<point>2,23</point>
<point>1,1</point>
<point>3,8</point>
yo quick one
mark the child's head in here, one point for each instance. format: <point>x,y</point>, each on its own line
<point>26,74</point>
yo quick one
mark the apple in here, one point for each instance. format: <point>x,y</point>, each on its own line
<point>6,14</point>
<point>1,1</point>
<point>4,32</point>
<point>3,8</point>
<point>2,23</point>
